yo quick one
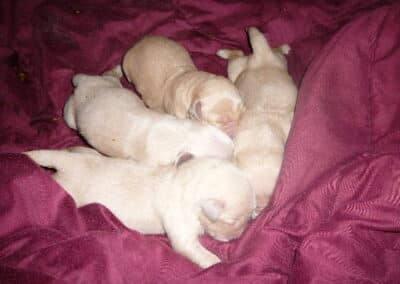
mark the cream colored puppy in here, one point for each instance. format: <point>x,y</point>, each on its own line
<point>116,122</point>
<point>269,96</point>
<point>183,200</point>
<point>166,77</point>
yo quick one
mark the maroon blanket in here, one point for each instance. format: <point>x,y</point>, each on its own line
<point>335,217</point>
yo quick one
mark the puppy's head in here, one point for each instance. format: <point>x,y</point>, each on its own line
<point>222,196</point>
<point>217,102</point>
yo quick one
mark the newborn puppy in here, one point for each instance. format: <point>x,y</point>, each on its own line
<point>166,77</point>
<point>116,122</point>
<point>182,200</point>
<point>269,96</point>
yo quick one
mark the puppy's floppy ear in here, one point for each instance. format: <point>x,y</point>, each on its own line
<point>77,79</point>
<point>195,110</point>
<point>182,158</point>
<point>285,49</point>
<point>212,208</point>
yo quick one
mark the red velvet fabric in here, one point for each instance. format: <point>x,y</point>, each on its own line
<point>335,216</point>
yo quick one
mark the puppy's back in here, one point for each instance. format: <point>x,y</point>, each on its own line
<point>150,62</point>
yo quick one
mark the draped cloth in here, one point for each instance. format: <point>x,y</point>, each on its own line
<point>335,213</point>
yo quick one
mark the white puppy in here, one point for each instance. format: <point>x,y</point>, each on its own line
<point>166,77</point>
<point>269,96</point>
<point>116,122</point>
<point>183,200</point>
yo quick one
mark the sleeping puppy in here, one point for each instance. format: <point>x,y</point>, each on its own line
<point>183,200</point>
<point>269,96</point>
<point>116,122</point>
<point>166,77</point>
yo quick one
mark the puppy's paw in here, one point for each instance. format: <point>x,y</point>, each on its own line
<point>208,260</point>
<point>229,53</point>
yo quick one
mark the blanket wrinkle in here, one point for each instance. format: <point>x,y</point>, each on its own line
<point>334,216</point>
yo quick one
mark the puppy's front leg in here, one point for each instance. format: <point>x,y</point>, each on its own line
<point>185,240</point>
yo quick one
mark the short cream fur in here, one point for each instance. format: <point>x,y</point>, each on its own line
<point>183,200</point>
<point>269,96</point>
<point>166,77</point>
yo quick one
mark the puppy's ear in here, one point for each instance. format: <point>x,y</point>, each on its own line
<point>285,49</point>
<point>182,158</point>
<point>195,111</point>
<point>77,79</point>
<point>212,208</point>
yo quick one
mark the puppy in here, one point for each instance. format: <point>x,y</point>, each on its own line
<point>269,96</point>
<point>166,77</point>
<point>116,122</point>
<point>183,200</point>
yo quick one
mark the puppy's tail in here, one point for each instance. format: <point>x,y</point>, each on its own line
<point>262,51</point>
<point>53,159</point>
<point>259,44</point>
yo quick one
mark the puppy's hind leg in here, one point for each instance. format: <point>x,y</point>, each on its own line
<point>83,150</point>
<point>184,239</point>
<point>70,169</point>
<point>59,160</point>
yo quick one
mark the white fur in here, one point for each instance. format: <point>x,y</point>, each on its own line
<point>182,201</point>
<point>116,122</point>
